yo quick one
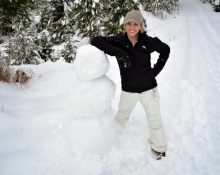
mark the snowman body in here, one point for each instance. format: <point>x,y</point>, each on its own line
<point>90,122</point>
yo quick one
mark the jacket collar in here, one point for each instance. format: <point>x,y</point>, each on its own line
<point>140,37</point>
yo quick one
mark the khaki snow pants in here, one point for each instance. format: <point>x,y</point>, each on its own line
<point>150,102</point>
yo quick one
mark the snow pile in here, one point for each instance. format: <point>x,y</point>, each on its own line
<point>90,63</point>
<point>61,123</point>
<point>89,125</point>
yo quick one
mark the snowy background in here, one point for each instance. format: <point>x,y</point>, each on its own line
<point>62,123</point>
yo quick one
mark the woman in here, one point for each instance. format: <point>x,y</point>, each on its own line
<point>132,50</point>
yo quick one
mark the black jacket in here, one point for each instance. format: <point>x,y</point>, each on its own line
<point>140,76</point>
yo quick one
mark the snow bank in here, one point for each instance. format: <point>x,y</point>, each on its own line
<point>58,109</point>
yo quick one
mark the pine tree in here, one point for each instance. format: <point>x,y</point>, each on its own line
<point>158,7</point>
<point>69,51</point>
<point>30,43</point>
<point>45,30</point>
<point>39,32</point>
<point>146,5</point>
<point>87,17</point>
<point>55,29</point>
<point>13,11</point>
<point>217,6</point>
<point>164,5</point>
<point>22,49</point>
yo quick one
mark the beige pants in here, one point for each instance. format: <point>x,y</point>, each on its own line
<point>150,102</point>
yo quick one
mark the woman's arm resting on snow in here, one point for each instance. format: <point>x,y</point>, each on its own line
<point>109,46</point>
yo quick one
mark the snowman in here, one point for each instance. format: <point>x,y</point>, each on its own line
<point>89,126</point>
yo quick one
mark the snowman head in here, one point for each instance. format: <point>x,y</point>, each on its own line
<point>90,63</point>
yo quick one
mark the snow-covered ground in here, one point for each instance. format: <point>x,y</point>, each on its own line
<point>34,120</point>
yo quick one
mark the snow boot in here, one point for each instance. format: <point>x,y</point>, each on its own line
<point>157,155</point>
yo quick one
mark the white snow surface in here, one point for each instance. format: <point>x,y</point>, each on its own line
<point>92,65</point>
<point>62,124</point>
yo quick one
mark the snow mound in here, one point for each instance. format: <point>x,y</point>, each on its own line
<point>91,98</point>
<point>92,136</point>
<point>92,66</point>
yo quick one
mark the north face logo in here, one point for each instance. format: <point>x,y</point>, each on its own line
<point>144,47</point>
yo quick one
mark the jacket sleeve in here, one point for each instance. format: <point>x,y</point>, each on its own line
<point>108,45</point>
<point>164,51</point>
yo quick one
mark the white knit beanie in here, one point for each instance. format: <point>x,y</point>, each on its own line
<point>134,16</point>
